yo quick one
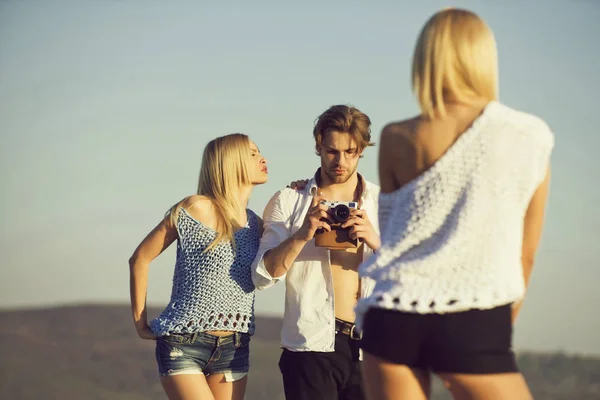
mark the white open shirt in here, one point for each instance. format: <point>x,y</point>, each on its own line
<point>309,318</point>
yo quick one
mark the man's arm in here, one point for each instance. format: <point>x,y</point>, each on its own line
<point>278,248</point>
<point>276,229</point>
<point>279,260</point>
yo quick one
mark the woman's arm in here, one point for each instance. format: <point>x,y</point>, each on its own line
<point>151,247</point>
<point>532,232</point>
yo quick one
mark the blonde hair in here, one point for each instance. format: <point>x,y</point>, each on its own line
<point>224,169</point>
<point>455,59</point>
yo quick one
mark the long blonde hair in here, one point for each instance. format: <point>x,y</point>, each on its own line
<point>223,171</point>
<point>455,58</point>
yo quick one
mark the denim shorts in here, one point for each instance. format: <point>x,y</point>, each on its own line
<point>203,353</point>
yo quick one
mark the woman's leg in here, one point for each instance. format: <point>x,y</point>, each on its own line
<point>386,381</point>
<point>507,386</point>
<point>186,387</point>
<point>223,390</point>
<point>474,355</point>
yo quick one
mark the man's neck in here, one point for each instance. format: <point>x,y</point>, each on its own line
<point>350,190</point>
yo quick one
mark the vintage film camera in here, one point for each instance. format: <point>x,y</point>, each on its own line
<point>338,238</point>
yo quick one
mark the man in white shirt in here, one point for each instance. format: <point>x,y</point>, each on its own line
<point>321,357</point>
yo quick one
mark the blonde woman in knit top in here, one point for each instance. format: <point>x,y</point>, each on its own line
<point>461,209</point>
<point>203,334</point>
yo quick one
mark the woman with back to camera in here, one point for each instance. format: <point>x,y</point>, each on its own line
<point>461,209</point>
<point>202,336</point>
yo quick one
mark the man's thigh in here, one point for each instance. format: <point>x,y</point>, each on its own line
<point>307,375</point>
<point>353,389</point>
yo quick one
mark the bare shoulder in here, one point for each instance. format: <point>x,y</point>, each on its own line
<point>401,127</point>
<point>398,139</point>
<point>196,201</point>
<point>397,154</point>
<point>400,133</point>
<point>200,208</point>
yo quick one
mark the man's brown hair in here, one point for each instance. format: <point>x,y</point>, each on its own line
<point>344,119</point>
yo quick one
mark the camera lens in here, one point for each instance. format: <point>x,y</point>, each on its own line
<point>341,213</point>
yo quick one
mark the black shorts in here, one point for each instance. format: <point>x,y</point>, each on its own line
<point>468,342</point>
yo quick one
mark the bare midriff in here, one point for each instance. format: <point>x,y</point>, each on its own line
<point>346,282</point>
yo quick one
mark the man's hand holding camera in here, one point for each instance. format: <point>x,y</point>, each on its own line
<point>314,220</point>
<point>362,229</point>
<point>323,213</point>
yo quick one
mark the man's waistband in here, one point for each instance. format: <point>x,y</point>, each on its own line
<point>347,328</point>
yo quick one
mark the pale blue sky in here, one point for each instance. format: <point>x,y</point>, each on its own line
<point>105,107</point>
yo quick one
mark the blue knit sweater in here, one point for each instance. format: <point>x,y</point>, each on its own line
<point>212,290</point>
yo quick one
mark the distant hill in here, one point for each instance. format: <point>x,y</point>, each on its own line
<point>92,353</point>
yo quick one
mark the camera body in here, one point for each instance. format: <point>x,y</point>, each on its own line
<point>339,238</point>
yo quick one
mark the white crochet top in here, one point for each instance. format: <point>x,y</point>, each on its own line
<point>452,237</point>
